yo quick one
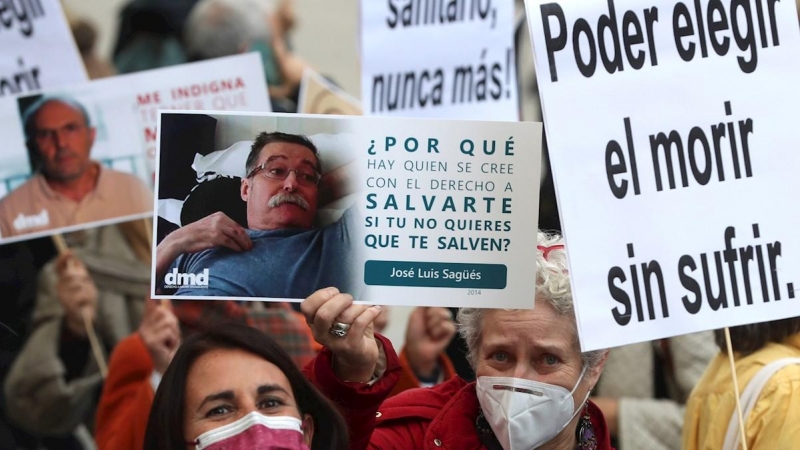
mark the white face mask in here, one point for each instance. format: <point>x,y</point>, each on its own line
<point>525,414</point>
<point>255,430</point>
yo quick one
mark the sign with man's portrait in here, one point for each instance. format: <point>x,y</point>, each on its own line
<point>392,211</point>
<point>81,156</point>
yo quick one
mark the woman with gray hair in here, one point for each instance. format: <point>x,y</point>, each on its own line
<point>533,382</point>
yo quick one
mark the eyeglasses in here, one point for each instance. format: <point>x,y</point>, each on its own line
<point>546,250</point>
<point>278,171</point>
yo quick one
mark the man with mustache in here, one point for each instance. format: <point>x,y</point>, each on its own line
<point>281,254</point>
<point>68,188</point>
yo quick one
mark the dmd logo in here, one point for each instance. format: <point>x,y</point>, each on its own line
<point>175,279</point>
<point>36,221</point>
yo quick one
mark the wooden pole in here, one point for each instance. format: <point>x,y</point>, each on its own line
<point>63,249</point>
<point>95,343</point>
<point>60,243</point>
<point>148,226</point>
<point>735,387</point>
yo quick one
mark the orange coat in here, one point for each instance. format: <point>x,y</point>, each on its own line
<point>127,392</point>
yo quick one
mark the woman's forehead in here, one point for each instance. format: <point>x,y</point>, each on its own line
<point>540,327</point>
<point>233,369</point>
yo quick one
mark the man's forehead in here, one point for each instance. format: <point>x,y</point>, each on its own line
<point>57,111</point>
<point>287,151</point>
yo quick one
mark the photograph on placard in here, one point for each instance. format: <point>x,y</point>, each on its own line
<point>254,207</point>
<point>396,211</point>
<point>83,155</point>
<point>81,163</point>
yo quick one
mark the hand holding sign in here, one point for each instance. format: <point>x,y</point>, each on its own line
<point>160,333</point>
<point>355,349</point>
<point>76,292</point>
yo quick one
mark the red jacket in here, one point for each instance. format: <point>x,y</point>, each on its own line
<point>358,402</point>
<point>443,417</point>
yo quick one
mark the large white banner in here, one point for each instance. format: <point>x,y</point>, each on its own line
<point>36,47</point>
<point>439,59</point>
<point>120,135</point>
<point>672,135</point>
<point>393,211</point>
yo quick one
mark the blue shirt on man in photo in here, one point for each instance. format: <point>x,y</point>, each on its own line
<point>285,263</point>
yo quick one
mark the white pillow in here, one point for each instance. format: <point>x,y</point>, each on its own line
<point>170,210</point>
<point>335,150</point>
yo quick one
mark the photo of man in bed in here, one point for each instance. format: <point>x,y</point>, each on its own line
<point>281,253</point>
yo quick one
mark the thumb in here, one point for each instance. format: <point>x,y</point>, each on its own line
<point>421,316</point>
<point>165,304</point>
<point>150,306</point>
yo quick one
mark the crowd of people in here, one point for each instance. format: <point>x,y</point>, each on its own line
<point>88,360</point>
<point>234,371</point>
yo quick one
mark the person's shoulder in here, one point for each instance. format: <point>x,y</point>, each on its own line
<point>21,193</point>
<point>21,201</point>
<point>422,399</point>
<point>784,382</point>
<point>448,409</point>
<point>117,177</point>
<point>600,426</point>
<point>128,191</point>
<point>777,403</point>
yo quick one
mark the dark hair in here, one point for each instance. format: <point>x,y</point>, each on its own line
<point>747,339</point>
<point>265,138</point>
<point>165,425</point>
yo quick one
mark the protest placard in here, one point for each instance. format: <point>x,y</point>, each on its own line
<point>398,211</point>
<point>670,127</point>
<point>108,128</point>
<point>38,51</point>
<point>320,96</point>
<point>439,59</point>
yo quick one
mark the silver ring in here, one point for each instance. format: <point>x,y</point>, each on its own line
<point>340,329</point>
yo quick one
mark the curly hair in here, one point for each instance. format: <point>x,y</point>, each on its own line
<point>552,286</point>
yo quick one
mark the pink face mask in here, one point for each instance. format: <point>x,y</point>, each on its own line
<point>255,431</point>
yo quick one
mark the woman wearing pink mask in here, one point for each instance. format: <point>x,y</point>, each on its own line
<point>533,382</point>
<point>233,387</point>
